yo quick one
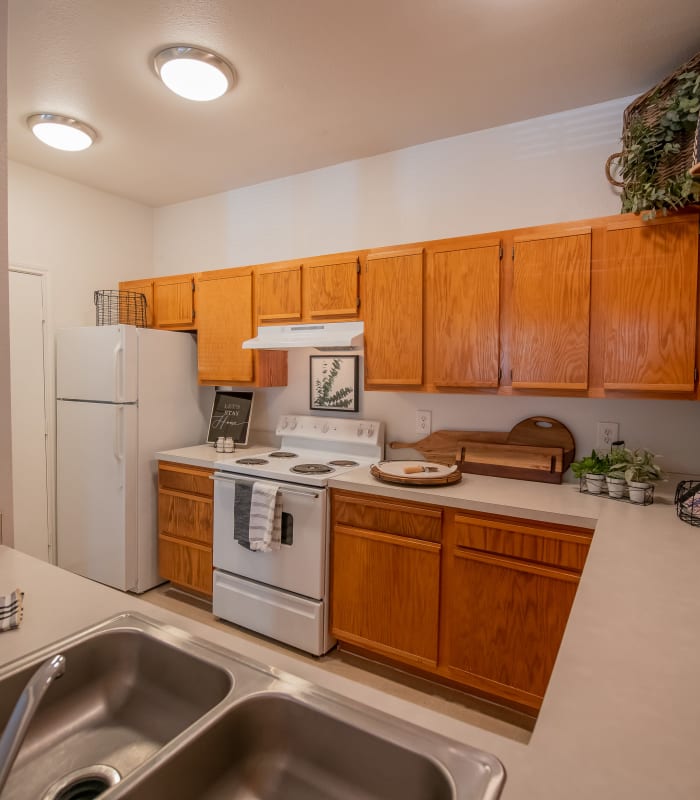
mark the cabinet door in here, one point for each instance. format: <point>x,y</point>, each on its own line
<point>505,622</point>
<point>393,314</point>
<point>174,302</point>
<point>144,287</point>
<point>331,290</point>
<point>463,289</point>
<point>385,594</point>
<point>551,311</point>
<point>649,296</point>
<point>278,294</point>
<point>225,302</point>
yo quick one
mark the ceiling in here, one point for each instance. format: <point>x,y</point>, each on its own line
<point>319,81</point>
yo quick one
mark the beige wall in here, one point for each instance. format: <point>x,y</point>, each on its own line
<point>5,429</point>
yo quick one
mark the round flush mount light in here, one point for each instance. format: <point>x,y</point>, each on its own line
<point>193,73</point>
<point>63,133</point>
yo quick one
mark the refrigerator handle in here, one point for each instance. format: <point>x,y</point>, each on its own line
<point>118,428</point>
<point>119,372</point>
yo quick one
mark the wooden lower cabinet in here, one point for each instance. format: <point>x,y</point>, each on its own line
<point>185,526</point>
<point>386,577</point>
<point>478,601</point>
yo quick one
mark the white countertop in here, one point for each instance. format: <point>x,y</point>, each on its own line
<point>621,716</point>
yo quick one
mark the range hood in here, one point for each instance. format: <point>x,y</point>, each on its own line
<point>322,336</point>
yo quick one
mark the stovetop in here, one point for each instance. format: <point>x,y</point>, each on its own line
<point>312,450</point>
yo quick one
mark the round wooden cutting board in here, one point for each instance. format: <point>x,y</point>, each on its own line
<point>416,473</point>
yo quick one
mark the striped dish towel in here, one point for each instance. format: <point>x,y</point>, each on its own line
<point>265,530</point>
<point>11,610</point>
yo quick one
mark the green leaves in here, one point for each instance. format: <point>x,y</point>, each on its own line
<point>648,147</point>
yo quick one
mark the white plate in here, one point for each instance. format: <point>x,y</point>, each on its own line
<point>397,469</point>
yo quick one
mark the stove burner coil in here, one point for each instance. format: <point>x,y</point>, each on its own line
<point>252,461</point>
<point>282,454</point>
<point>343,462</point>
<point>312,469</point>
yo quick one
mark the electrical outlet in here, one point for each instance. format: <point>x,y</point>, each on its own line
<point>608,432</point>
<point>423,422</point>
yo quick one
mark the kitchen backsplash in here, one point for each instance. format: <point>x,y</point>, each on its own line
<point>669,428</point>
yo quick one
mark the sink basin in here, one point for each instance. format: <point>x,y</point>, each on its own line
<point>280,746</point>
<point>178,718</point>
<point>128,689</point>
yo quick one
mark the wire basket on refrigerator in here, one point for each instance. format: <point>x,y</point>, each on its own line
<point>688,502</point>
<point>117,307</point>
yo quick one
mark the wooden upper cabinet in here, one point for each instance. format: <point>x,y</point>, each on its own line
<point>173,298</point>
<point>225,301</point>
<point>331,289</point>
<point>649,298</point>
<point>551,310</point>
<point>224,322</point>
<point>393,315</point>
<point>462,290</point>
<point>278,293</point>
<point>144,287</point>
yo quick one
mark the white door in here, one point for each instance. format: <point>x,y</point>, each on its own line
<point>96,533</point>
<point>29,419</point>
<point>97,363</point>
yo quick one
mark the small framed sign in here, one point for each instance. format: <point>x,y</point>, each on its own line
<point>230,416</point>
<point>333,383</point>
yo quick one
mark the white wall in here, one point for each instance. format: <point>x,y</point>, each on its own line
<point>543,170</point>
<point>5,427</point>
<point>84,238</point>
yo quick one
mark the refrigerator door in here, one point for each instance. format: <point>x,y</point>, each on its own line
<point>96,523</point>
<point>97,364</point>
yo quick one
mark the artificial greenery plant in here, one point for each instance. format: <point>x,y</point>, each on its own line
<point>590,465</point>
<point>647,146</point>
<point>636,465</point>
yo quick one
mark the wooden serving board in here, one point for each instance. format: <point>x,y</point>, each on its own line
<point>537,448</point>
<point>392,472</point>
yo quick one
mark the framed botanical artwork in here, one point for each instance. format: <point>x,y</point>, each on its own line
<point>333,383</point>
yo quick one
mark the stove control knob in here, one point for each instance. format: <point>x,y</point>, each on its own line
<point>370,431</point>
<point>293,423</point>
<point>285,422</point>
<point>324,429</point>
<point>360,430</point>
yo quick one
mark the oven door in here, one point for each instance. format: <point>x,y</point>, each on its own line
<point>300,564</point>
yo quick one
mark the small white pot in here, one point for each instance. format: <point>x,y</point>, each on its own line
<point>637,490</point>
<point>594,483</point>
<point>616,486</point>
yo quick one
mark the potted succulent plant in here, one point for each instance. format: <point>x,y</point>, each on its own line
<point>593,468</point>
<point>639,469</point>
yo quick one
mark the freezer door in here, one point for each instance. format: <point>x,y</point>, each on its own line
<point>96,521</point>
<point>97,364</point>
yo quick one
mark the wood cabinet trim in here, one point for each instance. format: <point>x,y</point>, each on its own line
<point>185,495</point>
<point>373,255</point>
<point>553,233</point>
<point>514,564</point>
<point>396,539</point>
<point>392,652</point>
<point>531,527</point>
<point>478,243</point>
<point>182,542</point>
<point>389,505</point>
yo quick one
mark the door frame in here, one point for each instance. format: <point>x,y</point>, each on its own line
<point>49,402</point>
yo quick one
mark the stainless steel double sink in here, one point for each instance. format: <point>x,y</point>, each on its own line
<point>168,715</point>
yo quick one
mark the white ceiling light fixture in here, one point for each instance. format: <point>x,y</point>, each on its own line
<point>193,73</point>
<point>63,133</point>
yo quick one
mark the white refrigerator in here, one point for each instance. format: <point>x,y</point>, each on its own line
<point>123,393</point>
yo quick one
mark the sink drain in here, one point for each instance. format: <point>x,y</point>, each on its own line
<point>83,784</point>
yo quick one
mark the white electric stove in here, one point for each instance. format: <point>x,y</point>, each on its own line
<point>283,594</point>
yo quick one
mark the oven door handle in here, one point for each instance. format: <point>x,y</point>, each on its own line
<point>220,476</point>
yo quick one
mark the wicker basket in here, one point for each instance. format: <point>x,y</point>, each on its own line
<point>649,108</point>
<point>115,307</point>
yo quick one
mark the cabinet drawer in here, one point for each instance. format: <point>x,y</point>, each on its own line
<point>524,541</point>
<point>181,478</point>
<point>185,517</point>
<point>188,565</point>
<point>402,519</point>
